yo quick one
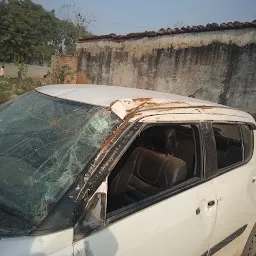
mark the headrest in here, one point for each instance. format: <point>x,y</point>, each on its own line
<point>158,169</point>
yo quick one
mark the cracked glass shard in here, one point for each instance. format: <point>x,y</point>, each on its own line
<point>45,143</point>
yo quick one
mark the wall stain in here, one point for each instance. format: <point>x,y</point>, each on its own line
<point>233,59</point>
<point>218,71</point>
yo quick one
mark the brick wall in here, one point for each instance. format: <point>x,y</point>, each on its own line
<point>59,61</point>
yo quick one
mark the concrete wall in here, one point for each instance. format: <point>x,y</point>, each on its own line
<point>33,70</point>
<point>219,66</point>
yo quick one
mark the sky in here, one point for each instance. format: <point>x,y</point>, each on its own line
<point>126,16</point>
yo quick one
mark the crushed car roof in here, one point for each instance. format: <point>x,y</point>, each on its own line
<point>124,101</point>
<point>105,95</point>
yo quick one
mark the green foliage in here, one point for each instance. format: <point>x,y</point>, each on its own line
<point>29,33</point>
<point>64,72</point>
<point>23,67</point>
<point>68,33</point>
<point>11,87</point>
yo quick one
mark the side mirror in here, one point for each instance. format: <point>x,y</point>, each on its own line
<point>93,218</point>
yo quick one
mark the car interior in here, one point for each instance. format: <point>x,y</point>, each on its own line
<point>228,144</point>
<point>159,158</point>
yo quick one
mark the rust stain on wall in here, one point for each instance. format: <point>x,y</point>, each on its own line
<point>81,78</point>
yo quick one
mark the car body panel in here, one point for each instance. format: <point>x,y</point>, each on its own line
<point>105,95</point>
<point>153,231</point>
<point>124,237</point>
<point>37,245</point>
<point>127,102</point>
<point>237,205</point>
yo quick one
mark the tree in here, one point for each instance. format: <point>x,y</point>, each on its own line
<point>28,31</point>
<point>73,25</point>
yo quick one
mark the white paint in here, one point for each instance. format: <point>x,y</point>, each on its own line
<point>119,109</point>
<point>237,207</point>
<point>38,245</point>
<point>185,116</point>
<point>123,100</point>
<point>170,227</point>
<point>104,95</point>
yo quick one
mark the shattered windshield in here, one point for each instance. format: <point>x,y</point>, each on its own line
<point>45,143</point>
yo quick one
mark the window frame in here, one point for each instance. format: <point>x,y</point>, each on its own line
<point>123,212</point>
<point>229,168</point>
<point>248,159</point>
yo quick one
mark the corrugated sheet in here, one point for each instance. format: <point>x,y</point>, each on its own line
<point>169,31</point>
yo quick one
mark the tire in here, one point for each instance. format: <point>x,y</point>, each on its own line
<point>250,246</point>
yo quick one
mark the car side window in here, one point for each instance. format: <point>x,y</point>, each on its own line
<point>160,158</point>
<point>228,144</point>
<point>247,141</point>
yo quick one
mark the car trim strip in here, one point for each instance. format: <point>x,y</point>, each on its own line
<point>226,241</point>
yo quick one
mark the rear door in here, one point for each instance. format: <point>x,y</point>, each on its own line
<point>235,186</point>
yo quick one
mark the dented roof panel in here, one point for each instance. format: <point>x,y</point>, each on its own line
<point>105,95</point>
<point>137,103</point>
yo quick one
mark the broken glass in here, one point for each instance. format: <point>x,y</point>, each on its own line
<point>45,143</point>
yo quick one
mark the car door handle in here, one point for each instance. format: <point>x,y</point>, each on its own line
<point>198,211</point>
<point>211,203</point>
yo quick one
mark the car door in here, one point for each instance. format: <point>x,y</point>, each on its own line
<point>181,225</point>
<point>236,189</point>
<point>171,227</point>
<point>176,222</point>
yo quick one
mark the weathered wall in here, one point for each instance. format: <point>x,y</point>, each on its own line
<point>219,65</point>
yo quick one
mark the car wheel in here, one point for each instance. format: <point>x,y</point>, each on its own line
<point>250,247</point>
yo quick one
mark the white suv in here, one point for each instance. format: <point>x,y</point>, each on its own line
<point>103,170</point>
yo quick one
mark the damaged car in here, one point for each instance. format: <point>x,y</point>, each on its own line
<point>103,170</point>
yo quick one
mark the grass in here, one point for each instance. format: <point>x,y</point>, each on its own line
<point>12,87</point>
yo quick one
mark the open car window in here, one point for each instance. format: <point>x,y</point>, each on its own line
<point>160,158</point>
